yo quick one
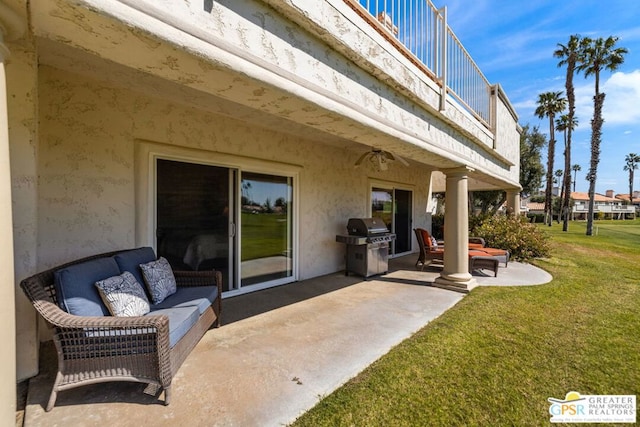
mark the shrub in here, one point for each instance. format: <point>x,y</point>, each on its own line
<point>535,218</point>
<point>437,226</point>
<point>522,239</point>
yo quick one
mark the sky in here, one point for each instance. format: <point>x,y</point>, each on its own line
<point>512,42</point>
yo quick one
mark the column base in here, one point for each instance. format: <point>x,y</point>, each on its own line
<point>464,287</point>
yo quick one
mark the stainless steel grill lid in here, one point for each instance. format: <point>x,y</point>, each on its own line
<point>366,227</point>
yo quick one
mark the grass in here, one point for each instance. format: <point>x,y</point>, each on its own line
<point>263,235</point>
<point>496,357</point>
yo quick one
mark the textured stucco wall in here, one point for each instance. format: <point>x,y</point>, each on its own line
<point>22,103</point>
<point>507,134</point>
<point>86,167</point>
<point>353,83</point>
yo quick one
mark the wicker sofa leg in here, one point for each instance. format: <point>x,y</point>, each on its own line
<point>54,392</point>
<point>167,395</point>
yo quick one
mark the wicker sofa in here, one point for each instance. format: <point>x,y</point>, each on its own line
<point>99,348</point>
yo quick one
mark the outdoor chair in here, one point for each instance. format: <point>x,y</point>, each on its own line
<point>476,243</point>
<point>429,251</point>
<point>480,244</point>
<point>479,256</point>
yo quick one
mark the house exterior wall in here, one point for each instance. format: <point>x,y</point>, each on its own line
<point>23,134</point>
<point>88,133</point>
<point>321,52</point>
<point>295,83</point>
<point>86,198</point>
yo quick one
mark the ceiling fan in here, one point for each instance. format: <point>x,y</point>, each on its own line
<point>380,159</point>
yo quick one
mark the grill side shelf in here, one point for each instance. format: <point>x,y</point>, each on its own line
<point>351,240</point>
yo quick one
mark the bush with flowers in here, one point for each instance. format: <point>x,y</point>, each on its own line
<point>522,239</point>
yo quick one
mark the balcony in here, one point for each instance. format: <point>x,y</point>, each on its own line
<point>420,32</point>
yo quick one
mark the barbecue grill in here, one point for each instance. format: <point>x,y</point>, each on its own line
<point>367,246</point>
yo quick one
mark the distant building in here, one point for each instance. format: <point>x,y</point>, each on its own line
<point>635,201</point>
<point>608,205</point>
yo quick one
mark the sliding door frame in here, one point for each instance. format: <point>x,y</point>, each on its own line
<point>393,186</point>
<point>146,155</point>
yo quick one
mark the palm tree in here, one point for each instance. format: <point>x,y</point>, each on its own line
<point>550,104</point>
<point>631,164</point>
<point>565,124</point>
<point>568,56</point>
<point>575,169</point>
<point>595,56</point>
<point>559,173</point>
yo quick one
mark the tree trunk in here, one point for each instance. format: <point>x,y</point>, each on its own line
<point>571,99</point>
<point>631,185</point>
<point>548,194</point>
<point>566,185</point>
<point>596,136</point>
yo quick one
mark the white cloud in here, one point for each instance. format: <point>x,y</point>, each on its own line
<point>621,104</point>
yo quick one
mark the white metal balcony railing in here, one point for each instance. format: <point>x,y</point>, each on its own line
<point>423,32</point>
<point>605,208</point>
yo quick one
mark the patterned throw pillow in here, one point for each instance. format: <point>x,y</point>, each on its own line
<point>123,295</point>
<point>159,278</point>
<point>434,243</point>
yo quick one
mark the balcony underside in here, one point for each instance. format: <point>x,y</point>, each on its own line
<point>352,109</point>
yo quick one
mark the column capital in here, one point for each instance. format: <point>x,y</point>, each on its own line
<point>460,171</point>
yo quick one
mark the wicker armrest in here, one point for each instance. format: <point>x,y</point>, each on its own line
<point>55,316</point>
<point>66,320</point>
<point>199,278</point>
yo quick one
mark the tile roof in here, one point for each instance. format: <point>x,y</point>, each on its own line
<point>577,195</point>
<point>626,198</point>
<point>535,206</point>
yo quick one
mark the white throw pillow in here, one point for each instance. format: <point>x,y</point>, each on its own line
<point>123,295</point>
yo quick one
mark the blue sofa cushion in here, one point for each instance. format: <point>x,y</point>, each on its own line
<point>188,296</point>
<point>130,261</point>
<point>181,319</point>
<point>75,286</point>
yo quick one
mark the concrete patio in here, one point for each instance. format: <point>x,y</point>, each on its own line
<point>278,352</point>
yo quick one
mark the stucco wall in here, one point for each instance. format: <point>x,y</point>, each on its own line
<point>87,178</point>
<point>23,122</point>
<point>352,82</point>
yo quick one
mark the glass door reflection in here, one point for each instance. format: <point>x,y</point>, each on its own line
<point>266,237</point>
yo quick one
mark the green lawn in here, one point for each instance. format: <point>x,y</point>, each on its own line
<point>495,358</point>
<point>263,235</point>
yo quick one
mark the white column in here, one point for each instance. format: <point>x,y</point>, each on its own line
<point>455,274</point>
<point>513,202</point>
<point>7,294</point>
<point>11,27</point>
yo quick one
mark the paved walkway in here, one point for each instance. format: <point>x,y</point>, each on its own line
<point>277,353</point>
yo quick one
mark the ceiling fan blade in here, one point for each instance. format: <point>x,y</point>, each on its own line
<point>392,156</point>
<point>403,161</point>
<point>361,159</point>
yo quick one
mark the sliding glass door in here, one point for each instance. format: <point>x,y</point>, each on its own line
<point>213,217</point>
<point>394,206</point>
<point>194,217</point>
<point>266,228</point>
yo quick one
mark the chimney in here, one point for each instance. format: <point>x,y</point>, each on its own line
<point>609,193</point>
